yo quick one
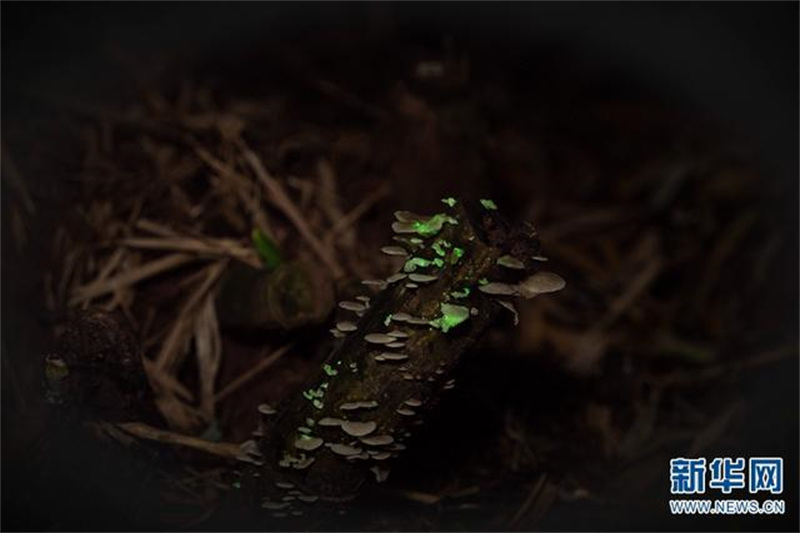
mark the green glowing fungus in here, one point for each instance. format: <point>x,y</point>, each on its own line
<point>461,294</point>
<point>416,262</point>
<point>433,225</point>
<point>452,316</point>
<point>488,204</point>
<point>440,247</point>
<point>451,202</point>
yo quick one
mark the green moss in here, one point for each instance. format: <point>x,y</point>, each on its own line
<point>387,320</point>
<point>438,262</point>
<point>483,281</point>
<point>318,404</point>
<point>329,370</point>
<point>450,202</point>
<point>456,255</point>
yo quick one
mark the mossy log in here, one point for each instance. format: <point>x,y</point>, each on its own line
<point>396,357</point>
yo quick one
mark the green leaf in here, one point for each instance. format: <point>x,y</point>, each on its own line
<point>266,249</point>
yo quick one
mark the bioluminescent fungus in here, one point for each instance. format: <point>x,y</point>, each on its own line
<point>450,202</point>
<point>416,262</point>
<point>488,204</point>
<point>452,316</point>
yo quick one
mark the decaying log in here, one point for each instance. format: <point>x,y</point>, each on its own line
<point>396,356</point>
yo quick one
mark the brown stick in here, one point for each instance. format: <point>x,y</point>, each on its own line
<point>225,450</point>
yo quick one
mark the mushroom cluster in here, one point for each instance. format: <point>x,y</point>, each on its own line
<point>392,379</point>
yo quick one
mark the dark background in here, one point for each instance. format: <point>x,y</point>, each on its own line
<point>736,61</point>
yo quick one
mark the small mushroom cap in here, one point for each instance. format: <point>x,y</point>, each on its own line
<point>309,444</point>
<point>413,402</point>
<point>398,344</point>
<point>274,506</point>
<point>412,286</point>
<point>364,404</point>
<point>496,288</point>
<point>394,250</point>
<point>398,334</point>
<point>346,326</point>
<point>405,412</point>
<point>510,261</point>
<point>391,356</point>
<point>266,409</point>
<point>381,456</point>
<point>378,338</point>
<point>378,440</point>
<point>407,216</point>
<point>422,278</point>
<point>344,449</point>
<point>353,306</point>
<point>359,429</point>
<point>396,277</point>
<point>330,422</point>
<point>541,283</point>
<point>374,282</point>
<point>403,227</point>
